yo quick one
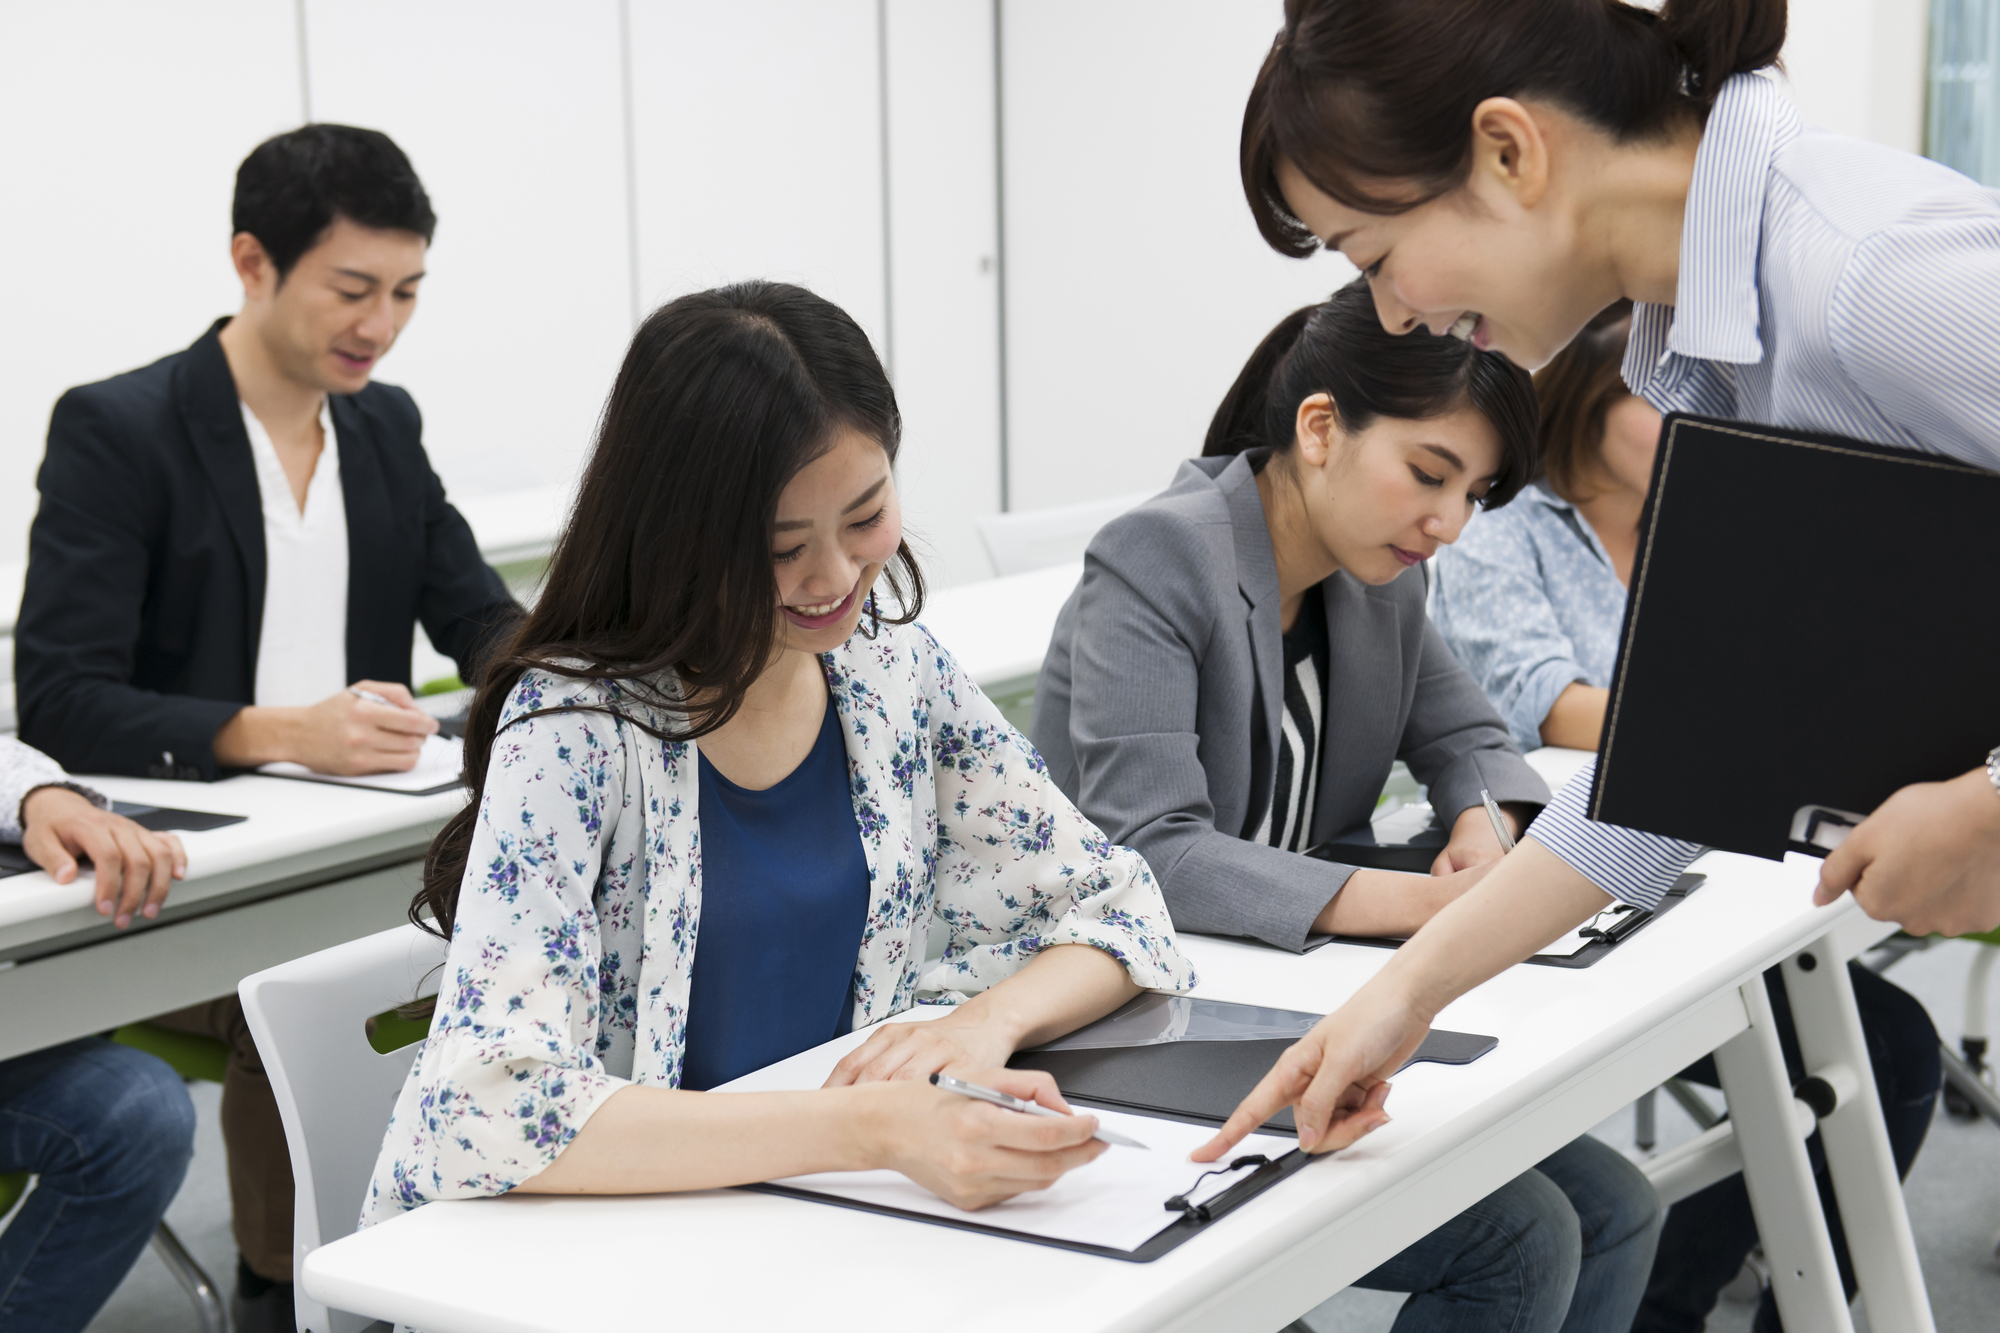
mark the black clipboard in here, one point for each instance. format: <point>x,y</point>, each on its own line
<point>1812,607</point>
<point>1618,923</point>
<point>1173,1231</point>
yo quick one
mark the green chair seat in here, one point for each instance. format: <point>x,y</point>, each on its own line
<point>11,1189</point>
<point>186,1053</point>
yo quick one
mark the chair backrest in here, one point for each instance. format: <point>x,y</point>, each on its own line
<point>1038,538</point>
<point>334,1091</point>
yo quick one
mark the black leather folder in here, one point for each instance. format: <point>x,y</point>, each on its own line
<point>1813,624</point>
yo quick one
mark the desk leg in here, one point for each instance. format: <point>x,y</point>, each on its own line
<point>1804,1275</point>
<point>1857,1144</point>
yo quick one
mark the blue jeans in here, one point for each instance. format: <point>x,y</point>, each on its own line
<point>1566,1246</point>
<point>109,1131</point>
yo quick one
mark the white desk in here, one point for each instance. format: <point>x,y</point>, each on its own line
<point>1574,1047</point>
<point>999,629</point>
<point>314,865</point>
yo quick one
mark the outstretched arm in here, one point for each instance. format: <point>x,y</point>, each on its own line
<point>1337,1074</point>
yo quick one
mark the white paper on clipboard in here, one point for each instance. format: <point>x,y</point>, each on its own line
<point>439,766</point>
<point>1119,1200</point>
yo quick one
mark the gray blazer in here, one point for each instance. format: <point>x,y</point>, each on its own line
<point>1166,665</point>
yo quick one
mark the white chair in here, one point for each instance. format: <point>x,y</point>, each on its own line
<point>1038,538</point>
<point>334,1090</point>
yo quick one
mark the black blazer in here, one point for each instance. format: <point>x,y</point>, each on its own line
<point>139,624</point>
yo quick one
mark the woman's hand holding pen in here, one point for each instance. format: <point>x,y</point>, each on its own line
<point>1474,841</point>
<point>972,1154</point>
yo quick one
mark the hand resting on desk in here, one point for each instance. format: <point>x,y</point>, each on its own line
<point>135,866</point>
<point>344,734</point>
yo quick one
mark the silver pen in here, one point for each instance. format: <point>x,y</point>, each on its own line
<point>369,696</point>
<point>1013,1103</point>
<point>1499,824</point>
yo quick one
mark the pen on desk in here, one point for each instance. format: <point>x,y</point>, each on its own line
<point>369,696</point>
<point>1499,824</point>
<point>1013,1103</point>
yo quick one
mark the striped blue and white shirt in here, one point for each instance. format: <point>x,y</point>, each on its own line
<point>1825,284</point>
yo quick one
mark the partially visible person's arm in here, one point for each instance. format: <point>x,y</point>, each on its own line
<point>56,821</point>
<point>1061,990</point>
<point>1494,613</point>
<point>1576,718</point>
<point>1337,1074</point>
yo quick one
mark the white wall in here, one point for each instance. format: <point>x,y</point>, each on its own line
<point>1858,67</point>
<point>125,121</point>
<point>848,144</point>
<point>511,112</point>
<point>1137,284</point>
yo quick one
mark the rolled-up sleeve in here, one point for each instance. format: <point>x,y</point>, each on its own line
<point>1019,869</point>
<point>1633,867</point>
<point>509,1072</point>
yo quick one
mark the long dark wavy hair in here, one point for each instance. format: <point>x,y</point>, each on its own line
<point>1339,348</point>
<point>662,579</point>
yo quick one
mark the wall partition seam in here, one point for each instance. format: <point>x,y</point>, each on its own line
<point>305,64</point>
<point>631,158</point>
<point>882,149</point>
<point>1000,243</point>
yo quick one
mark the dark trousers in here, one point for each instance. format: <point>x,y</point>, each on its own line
<point>1707,1235</point>
<point>260,1163</point>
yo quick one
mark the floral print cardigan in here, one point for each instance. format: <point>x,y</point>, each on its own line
<point>570,961</point>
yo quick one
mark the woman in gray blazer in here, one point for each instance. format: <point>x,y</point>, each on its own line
<point>1247,653</point>
<point>1246,656</point>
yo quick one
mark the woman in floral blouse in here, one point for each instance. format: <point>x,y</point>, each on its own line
<point>720,803</point>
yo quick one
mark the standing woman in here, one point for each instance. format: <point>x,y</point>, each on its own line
<point>1505,169</point>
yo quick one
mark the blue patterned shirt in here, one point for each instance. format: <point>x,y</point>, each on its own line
<point>1529,602</point>
<point>1825,284</point>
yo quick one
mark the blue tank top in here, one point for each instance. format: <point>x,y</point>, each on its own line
<point>784,898</point>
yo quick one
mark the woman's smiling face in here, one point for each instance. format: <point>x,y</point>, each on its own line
<point>838,523</point>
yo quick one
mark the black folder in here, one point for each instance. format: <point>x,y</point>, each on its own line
<point>1812,625</point>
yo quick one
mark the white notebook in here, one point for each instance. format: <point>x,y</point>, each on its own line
<point>1119,1200</point>
<point>438,767</point>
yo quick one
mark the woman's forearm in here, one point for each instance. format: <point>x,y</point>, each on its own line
<point>1525,902</point>
<point>1061,990</point>
<point>658,1140</point>
<point>1576,718</point>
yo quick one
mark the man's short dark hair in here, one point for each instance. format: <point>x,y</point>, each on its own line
<point>291,188</point>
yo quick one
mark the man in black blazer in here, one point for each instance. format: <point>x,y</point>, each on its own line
<point>137,648</point>
<point>232,552</point>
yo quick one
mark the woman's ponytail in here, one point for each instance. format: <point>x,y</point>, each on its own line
<point>1718,38</point>
<point>1239,423</point>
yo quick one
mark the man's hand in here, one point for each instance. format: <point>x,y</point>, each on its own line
<point>1927,859</point>
<point>135,866</point>
<point>1473,842</point>
<point>345,734</point>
